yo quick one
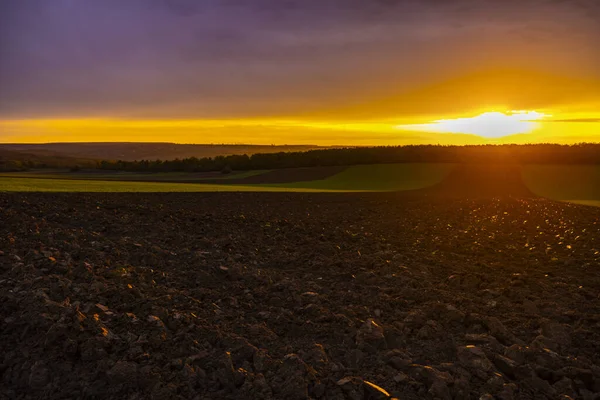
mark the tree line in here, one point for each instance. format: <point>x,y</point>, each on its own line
<point>586,153</point>
<point>15,161</point>
<point>520,154</point>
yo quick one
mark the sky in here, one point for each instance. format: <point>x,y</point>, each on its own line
<point>330,72</point>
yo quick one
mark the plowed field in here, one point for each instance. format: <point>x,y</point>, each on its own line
<point>294,296</point>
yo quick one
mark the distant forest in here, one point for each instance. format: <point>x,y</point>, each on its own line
<point>128,151</point>
<point>519,154</point>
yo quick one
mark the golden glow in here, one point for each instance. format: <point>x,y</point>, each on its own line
<point>492,124</point>
<point>469,108</point>
<point>574,126</point>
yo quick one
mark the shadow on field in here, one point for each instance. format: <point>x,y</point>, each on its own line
<point>283,175</point>
<point>480,181</point>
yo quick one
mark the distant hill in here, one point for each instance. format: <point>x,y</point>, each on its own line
<point>11,160</point>
<point>146,151</point>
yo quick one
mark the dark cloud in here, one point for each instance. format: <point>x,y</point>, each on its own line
<point>215,58</point>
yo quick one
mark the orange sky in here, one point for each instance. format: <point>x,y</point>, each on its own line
<point>277,132</point>
<point>331,72</point>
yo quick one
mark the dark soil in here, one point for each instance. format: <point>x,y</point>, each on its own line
<point>293,296</point>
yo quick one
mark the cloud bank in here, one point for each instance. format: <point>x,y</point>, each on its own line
<point>233,59</point>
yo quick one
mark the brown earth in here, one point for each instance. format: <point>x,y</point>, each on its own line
<point>293,296</point>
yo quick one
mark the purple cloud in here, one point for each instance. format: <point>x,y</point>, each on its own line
<point>188,58</point>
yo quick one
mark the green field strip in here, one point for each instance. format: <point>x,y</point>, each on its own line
<point>132,176</point>
<point>573,183</point>
<point>80,185</point>
<point>379,177</point>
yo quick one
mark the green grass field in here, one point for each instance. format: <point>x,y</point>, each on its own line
<point>80,185</point>
<point>379,177</point>
<point>131,176</point>
<point>574,183</point>
<point>382,177</point>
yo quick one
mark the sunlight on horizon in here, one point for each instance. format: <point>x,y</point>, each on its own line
<point>476,128</point>
<point>491,124</point>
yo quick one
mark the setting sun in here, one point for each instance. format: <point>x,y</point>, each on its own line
<point>491,124</point>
